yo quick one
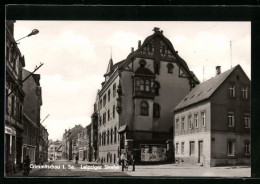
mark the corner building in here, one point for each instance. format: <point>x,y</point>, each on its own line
<point>136,100</point>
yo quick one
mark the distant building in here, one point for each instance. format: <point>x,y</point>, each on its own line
<point>136,99</point>
<point>212,123</point>
<point>54,150</point>
<point>83,141</point>
<point>69,142</point>
<point>93,137</point>
<point>13,101</point>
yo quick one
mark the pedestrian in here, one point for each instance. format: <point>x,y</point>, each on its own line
<point>9,165</point>
<point>123,159</point>
<point>40,160</point>
<point>101,160</point>
<point>26,165</point>
<point>133,161</point>
<point>77,158</point>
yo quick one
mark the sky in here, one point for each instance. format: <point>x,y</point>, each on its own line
<point>76,54</point>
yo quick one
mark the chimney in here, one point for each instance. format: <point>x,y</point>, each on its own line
<point>132,49</point>
<point>139,43</point>
<point>218,70</point>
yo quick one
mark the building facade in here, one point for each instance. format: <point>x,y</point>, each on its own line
<point>54,150</point>
<point>136,98</point>
<point>13,101</point>
<point>33,103</point>
<point>43,143</point>
<point>212,123</point>
<point>70,142</point>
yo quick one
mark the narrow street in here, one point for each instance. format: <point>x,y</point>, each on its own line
<point>68,168</point>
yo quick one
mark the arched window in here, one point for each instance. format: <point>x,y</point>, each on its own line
<point>170,67</point>
<point>156,110</point>
<point>156,88</point>
<point>141,84</point>
<point>144,109</point>
<point>147,85</point>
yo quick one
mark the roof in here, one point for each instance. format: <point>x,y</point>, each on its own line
<point>74,131</point>
<point>204,90</point>
<point>109,67</point>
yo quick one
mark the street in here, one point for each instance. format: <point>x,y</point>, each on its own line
<point>84,169</point>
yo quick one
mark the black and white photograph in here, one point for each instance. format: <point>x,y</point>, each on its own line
<point>127,98</point>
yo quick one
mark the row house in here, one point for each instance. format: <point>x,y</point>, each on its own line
<point>54,150</point>
<point>212,123</point>
<point>136,99</point>
<point>32,105</point>
<point>70,142</point>
<point>43,143</point>
<point>14,97</point>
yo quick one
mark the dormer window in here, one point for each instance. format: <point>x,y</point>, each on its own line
<point>170,67</point>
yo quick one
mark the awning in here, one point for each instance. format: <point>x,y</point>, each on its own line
<point>122,128</point>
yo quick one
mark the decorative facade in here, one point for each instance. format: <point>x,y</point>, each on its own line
<point>135,102</point>
<point>212,123</point>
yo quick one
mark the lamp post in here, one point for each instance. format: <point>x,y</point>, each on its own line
<point>34,32</point>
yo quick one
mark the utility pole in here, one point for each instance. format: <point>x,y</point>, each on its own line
<point>45,118</point>
<point>25,79</point>
<point>230,52</point>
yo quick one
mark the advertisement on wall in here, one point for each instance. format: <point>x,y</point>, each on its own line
<point>153,153</point>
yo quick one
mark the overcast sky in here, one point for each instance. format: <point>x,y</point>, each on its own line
<point>76,53</point>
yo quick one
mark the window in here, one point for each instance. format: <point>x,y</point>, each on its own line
<point>104,100</point>
<point>141,84</point>
<point>108,137</point>
<point>231,148</point>
<point>111,136</point>
<point>192,148</point>
<point>100,104</point>
<point>246,121</point>
<point>147,85</point>
<point>144,109</point>
<point>108,96</point>
<point>156,88</point>
<point>156,110</point>
<point>104,118</point>
<point>170,67</point>
<point>232,91</point>
<point>196,119</point>
<point>247,148</point>
<point>108,115</point>
<point>115,132</point>
<point>12,107</point>
<point>203,118</point>
<point>177,124</point>
<point>114,110</point>
<point>182,148</point>
<point>231,119</point>
<point>6,101</point>
<point>182,122</point>
<point>114,90</point>
<point>177,148</point>
<point>190,122</point>
<point>245,93</point>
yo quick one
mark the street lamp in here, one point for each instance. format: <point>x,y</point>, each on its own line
<point>34,32</point>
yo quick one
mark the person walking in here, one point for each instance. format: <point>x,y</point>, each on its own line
<point>26,165</point>
<point>123,159</point>
<point>133,161</point>
<point>9,165</point>
<point>77,158</point>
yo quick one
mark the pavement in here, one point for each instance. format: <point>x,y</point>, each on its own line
<point>96,169</point>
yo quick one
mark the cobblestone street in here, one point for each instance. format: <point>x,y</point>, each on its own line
<point>68,168</point>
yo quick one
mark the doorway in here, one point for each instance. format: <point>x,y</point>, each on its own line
<point>200,156</point>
